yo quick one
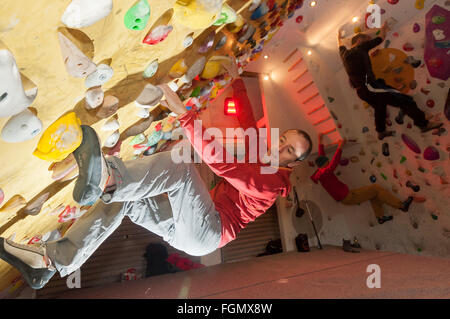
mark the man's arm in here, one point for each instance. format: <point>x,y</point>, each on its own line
<point>321,146</point>
<point>337,156</point>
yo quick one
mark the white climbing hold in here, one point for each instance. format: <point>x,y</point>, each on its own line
<point>94,97</point>
<point>14,96</point>
<point>151,69</point>
<point>102,75</point>
<point>83,13</point>
<point>21,127</point>
<point>77,63</point>
<point>188,41</point>
<point>439,34</point>
<point>112,140</point>
<point>143,113</point>
<point>111,125</point>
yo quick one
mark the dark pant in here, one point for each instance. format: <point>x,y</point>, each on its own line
<point>380,100</point>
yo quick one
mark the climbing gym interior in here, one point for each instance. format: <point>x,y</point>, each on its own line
<point>69,63</point>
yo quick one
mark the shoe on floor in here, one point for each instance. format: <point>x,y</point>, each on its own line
<point>406,204</point>
<point>431,126</point>
<point>93,169</point>
<point>31,261</point>
<point>384,219</point>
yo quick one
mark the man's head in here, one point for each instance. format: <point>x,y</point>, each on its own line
<point>322,161</point>
<point>294,147</point>
<point>360,38</point>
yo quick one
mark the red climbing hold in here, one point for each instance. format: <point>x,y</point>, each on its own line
<point>393,1</point>
<point>299,19</point>
<point>430,103</point>
<point>408,47</point>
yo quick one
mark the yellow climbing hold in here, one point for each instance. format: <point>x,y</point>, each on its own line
<point>214,67</point>
<point>197,14</point>
<point>357,30</point>
<point>14,204</point>
<point>178,69</point>
<point>420,4</point>
<point>60,139</point>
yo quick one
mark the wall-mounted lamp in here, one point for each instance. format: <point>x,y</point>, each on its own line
<point>355,19</point>
<point>309,52</point>
<point>230,106</point>
<point>266,57</point>
<point>266,77</point>
<point>313,3</point>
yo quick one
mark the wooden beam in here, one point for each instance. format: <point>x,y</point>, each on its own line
<point>310,98</point>
<point>290,55</point>
<point>322,120</point>
<point>329,131</point>
<point>295,64</point>
<point>298,77</point>
<point>316,109</point>
<point>305,87</point>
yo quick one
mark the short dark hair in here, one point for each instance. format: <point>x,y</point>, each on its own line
<point>308,151</point>
<point>357,37</point>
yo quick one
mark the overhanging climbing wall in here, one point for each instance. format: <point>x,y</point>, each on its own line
<point>98,63</point>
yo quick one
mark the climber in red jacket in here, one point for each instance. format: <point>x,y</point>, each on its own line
<point>374,193</point>
<point>189,218</point>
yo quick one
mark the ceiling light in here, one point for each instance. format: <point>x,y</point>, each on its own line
<point>313,3</point>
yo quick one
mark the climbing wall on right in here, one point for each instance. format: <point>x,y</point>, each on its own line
<point>414,59</point>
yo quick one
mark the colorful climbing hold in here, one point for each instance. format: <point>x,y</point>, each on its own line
<point>60,139</point>
<point>416,28</point>
<point>402,160</point>
<point>137,16</point>
<point>13,204</point>
<point>438,19</point>
<point>431,154</point>
<point>393,1</point>
<point>384,176</point>
<point>414,187</point>
<point>385,149</point>
<point>344,161</point>
<point>372,179</point>
<point>408,47</point>
<point>411,144</point>
<point>430,103</point>
<point>84,13</point>
<point>421,169</point>
<point>158,34</point>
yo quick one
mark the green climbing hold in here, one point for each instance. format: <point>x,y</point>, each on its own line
<point>434,216</point>
<point>419,249</point>
<point>137,16</point>
<point>378,32</point>
<point>438,19</point>
<point>421,169</point>
<point>384,176</point>
<point>196,91</point>
<point>138,139</point>
<point>402,160</point>
<point>155,138</point>
<point>330,99</point>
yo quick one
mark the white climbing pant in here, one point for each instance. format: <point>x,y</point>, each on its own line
<point>186,218</point>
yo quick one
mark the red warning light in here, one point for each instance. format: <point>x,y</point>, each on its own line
<point>230,106</point>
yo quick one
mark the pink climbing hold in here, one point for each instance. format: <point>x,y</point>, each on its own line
<point>416,27</point>
<point>158,35</point>
<point>395,34</point>
<point>411,144</point>
<point>431,154</point>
